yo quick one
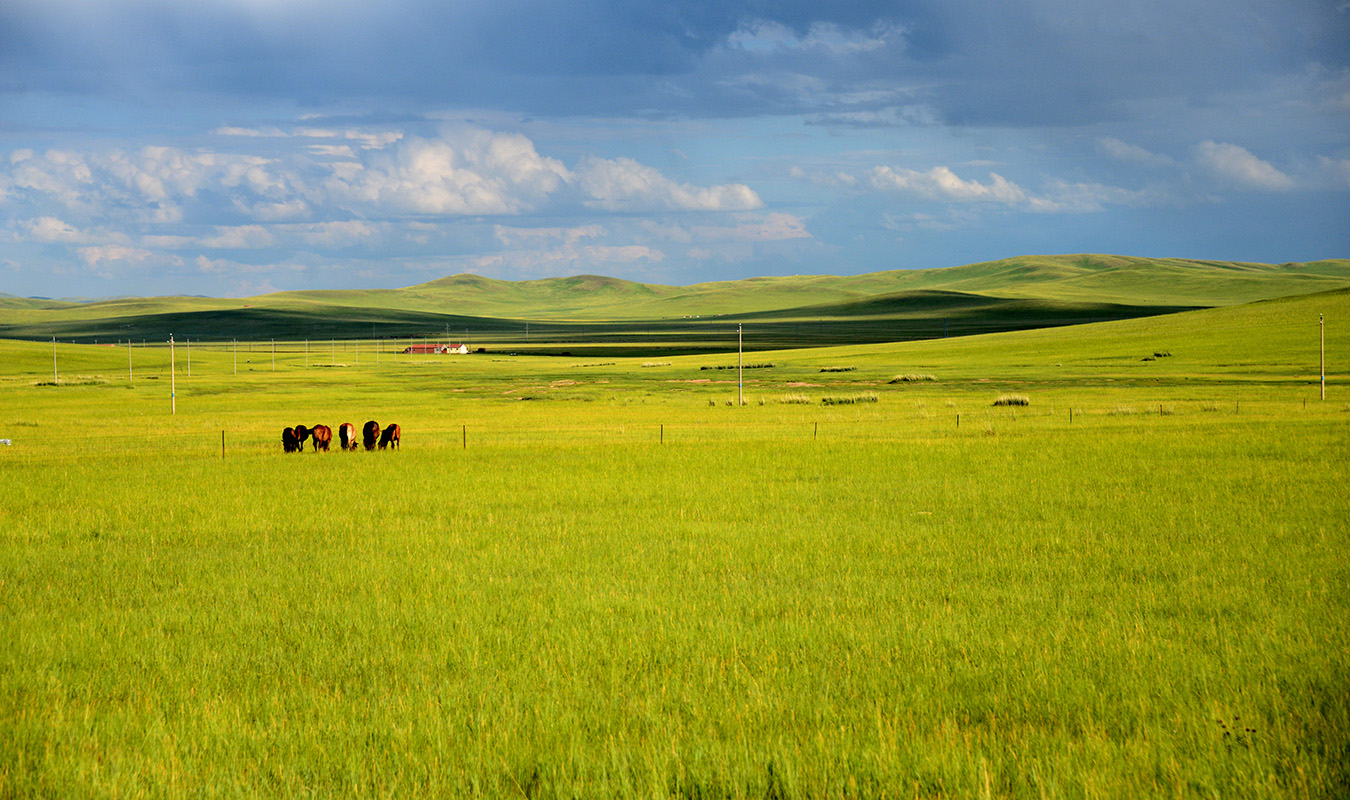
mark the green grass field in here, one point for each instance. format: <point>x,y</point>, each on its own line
<point>598,576</point>
<point>593,315</point>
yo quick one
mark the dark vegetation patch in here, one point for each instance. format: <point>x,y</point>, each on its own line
<point>735,366</point>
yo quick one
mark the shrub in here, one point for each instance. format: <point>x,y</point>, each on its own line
<point>795,400</point>
<point>912,378</point>
<point>838,369</point>
<point>1012,400</point>
<point>656,363</point>
<point>848,400</point>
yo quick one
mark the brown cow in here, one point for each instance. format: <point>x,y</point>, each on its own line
<point>370,434</point>
<point>289,443</point>
<point>390,436</point>
<point>322,435</point>
<point>347,436</point>
<point>301,434</point>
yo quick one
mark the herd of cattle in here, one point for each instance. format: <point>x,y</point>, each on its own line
<point>293,439</point>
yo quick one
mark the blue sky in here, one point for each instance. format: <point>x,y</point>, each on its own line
<point>236,147</point>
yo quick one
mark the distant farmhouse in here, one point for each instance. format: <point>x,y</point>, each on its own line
<point>436,349</point>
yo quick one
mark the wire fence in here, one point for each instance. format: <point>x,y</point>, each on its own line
<point>724,427</point>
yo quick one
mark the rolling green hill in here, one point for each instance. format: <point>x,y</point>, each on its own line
<point>592,311</point>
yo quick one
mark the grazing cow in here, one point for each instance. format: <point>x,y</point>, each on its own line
<point>301,434</point>
<point>322,436</point>
<point>390,436</point>
<point>370,434</point>
<point>347,436</point>
<point>289,443</point>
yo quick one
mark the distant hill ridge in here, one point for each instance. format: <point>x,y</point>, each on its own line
<point>1012,293</point>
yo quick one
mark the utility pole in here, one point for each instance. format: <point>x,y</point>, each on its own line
<point>56,378</point>
<point>1322,329</point>
<point>173,380</point>
<point>131,378</point>
<point>740,367</point>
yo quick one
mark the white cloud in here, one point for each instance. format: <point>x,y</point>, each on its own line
<point>940,183</point>
<point>294,208</point>
<point>1132,154</point>
<point>374,141</point>
<point>332,150</point>
<point>253,133</point>
<point>239,237</point>
<point>93,256</point>
<point>1239,167</point>
<point>479,173</point>
<point>1081,198</point>
<point>53,230</point>
<point>623,184</point>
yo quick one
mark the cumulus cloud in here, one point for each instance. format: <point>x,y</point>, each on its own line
<point>1239,167</point>
<point>52,230</point>
<point>940,183</point>
<point>623,184</point>
<point>465,172</point>
<point>97,254</point>
<point>481,173</point>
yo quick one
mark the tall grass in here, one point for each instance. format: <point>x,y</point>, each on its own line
<point>631,596</point>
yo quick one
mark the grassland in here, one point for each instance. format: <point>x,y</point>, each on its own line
<point>596,315</point>
<point>587,577</point>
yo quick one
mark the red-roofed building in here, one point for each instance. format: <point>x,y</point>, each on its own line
<point>436,349</point>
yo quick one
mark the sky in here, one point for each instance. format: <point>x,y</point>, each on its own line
<point>238,147</point>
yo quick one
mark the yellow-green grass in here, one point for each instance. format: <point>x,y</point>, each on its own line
<point>1012,294</point>
<point>613,588</point>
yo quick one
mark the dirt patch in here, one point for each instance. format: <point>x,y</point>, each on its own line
<point>799,384</point>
